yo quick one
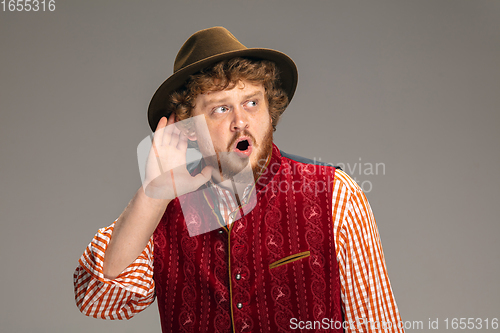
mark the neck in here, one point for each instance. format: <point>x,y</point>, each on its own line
<point>232,186</point>
<point>247,176</point>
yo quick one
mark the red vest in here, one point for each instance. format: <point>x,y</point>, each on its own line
<point>273,270</point>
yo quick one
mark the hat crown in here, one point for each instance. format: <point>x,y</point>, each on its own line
<point>205,48</point>
<point>205,44</point>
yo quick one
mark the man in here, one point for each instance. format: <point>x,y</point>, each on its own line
<point>293,247</point>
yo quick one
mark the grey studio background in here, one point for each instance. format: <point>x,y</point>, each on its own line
<point>413,86</point>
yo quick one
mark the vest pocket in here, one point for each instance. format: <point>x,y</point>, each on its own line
<point>290,259</point>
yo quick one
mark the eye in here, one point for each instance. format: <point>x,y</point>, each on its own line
<point>221,109</point>
<point>251,104</point>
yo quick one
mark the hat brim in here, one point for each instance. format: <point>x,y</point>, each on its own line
<point>288,77</point>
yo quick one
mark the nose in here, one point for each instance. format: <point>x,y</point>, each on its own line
<point>239,122</point>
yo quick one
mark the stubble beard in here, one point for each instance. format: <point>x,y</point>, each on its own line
<point>264,155</point>
<point>231,165</point>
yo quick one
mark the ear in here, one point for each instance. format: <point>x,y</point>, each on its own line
<point>185,127</point>
<point>191,136</point>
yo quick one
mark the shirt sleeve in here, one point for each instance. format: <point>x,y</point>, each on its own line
<point>367,298</point>
<point>129,293</point>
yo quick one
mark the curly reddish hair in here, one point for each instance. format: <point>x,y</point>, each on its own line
<point>226,74</point>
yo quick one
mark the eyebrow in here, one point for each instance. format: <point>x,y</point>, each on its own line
<point>223,100</point>
<point>251,95</point>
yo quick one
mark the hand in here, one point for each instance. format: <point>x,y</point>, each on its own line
<point>167,176</point>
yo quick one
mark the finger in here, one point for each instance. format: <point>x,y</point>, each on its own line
<point>183,142</point>
<point>167,137</point>
<point>171,118</point>
<point>174,139</point>
<point>158,134</point>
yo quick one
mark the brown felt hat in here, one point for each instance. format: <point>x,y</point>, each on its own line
<point>205,48</point>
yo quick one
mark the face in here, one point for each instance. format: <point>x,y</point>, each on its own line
<point>240,127</point>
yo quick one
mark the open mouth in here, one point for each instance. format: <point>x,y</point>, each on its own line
<point>243,148</point>
<point>243,145</point>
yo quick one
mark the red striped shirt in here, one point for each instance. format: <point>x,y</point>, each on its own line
<point>367,298</point>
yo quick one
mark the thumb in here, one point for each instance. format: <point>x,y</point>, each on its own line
<point>204,176</point>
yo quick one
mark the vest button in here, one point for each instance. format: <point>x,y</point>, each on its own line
<point>238,276</point>
<point>221,231</point>
<point>239,305</point>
